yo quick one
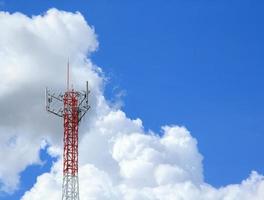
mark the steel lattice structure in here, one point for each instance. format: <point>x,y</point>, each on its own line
<point>71,106</point>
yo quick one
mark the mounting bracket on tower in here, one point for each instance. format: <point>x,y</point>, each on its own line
<point>54,102</point>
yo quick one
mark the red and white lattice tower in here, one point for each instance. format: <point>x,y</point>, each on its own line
<point>71,106</point>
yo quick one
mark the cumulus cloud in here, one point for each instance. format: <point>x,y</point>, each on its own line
<point>118,158</point>
<point>34,53</point>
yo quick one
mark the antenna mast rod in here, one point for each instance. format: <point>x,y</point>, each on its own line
<point>68,74</point>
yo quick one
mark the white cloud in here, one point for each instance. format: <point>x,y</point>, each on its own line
<point>34,53</point>
<point>118,159</point>
<point>145,172</point>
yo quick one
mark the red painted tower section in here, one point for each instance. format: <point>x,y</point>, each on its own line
<point>70,153</point>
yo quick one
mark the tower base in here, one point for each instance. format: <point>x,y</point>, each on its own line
<point>70,187</point>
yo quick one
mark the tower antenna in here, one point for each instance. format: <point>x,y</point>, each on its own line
<point>71,106</point>
<point>68,74</point>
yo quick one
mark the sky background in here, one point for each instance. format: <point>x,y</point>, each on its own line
<point>193,63</point>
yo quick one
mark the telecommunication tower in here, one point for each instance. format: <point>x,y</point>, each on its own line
<point>71,105</point>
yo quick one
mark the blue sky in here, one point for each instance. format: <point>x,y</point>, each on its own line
<point>192,63</point>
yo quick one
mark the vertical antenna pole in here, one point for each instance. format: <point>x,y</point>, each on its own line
<point>68,75</point>
<point>87,88</point>
<point>46,98</point>
<point>87,93</point>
